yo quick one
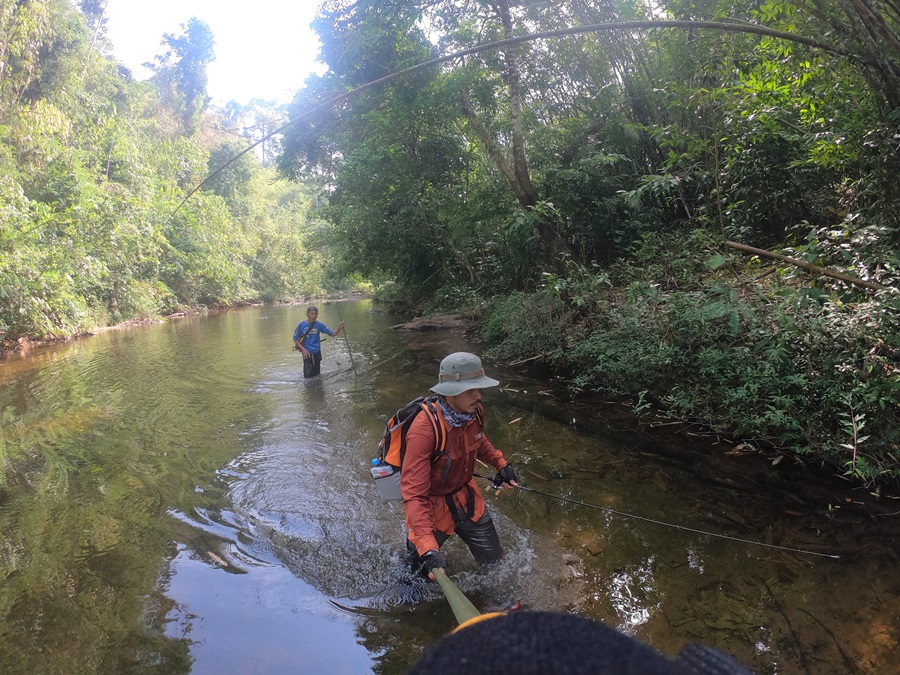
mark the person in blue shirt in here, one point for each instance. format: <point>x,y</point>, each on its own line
<point>307,340</point>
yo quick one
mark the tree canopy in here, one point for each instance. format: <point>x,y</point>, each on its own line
<point>93,165</point>
<point>598,159</point>
<point>589,177</point>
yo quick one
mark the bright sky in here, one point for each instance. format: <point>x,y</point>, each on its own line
<point>264,48</point>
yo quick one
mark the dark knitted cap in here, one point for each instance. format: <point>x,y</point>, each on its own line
<point>550,643</point>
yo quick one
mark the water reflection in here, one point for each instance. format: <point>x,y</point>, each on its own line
<point>180,498</point>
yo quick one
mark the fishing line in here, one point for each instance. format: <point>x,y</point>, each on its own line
<point>665,524</point>
<point>562,32</point>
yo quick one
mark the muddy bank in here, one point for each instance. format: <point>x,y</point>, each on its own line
<point>710,456</point>
<point>720,460</point>
<point>434,323</point>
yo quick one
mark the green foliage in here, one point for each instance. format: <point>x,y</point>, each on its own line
<point>398,212</point>
<point>287,262</point>
<point>181,71</point>
<point>24,33</point>
<point>92,168</point>
<point>775,366</point>
<point>588,186</point>
<point>581,284</point>
<point>527,323</point>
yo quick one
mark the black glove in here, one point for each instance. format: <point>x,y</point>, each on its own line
<point>505,475</point>
<point>433,560</point>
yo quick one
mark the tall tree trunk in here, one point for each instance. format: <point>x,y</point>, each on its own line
<point>513,80</point>
<point>551,241</point>
<point>494,151</point>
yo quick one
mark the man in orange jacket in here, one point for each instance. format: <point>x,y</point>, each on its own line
<point>440,496</point>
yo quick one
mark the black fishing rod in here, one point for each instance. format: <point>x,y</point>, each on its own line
<point>499,44</point>
<point>607,509</point>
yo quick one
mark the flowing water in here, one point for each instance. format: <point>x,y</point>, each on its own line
<point>176,498</point>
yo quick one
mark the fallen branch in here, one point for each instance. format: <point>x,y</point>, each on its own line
<point>770,270</point>
<point>807,266</point>
<point>533,358</point>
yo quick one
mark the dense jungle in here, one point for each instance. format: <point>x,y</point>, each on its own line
<point>690,208</point>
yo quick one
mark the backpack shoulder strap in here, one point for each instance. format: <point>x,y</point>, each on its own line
<point>436,417</point>
<point>307,332</point>
<point>393,439</point>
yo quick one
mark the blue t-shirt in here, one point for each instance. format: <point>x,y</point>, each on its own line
<point>311,341</point>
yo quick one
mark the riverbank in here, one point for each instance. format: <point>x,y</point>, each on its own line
<point>25,343</point>
<point>726,461</point>
<point>778,364</point>
<point>721,457</point>
<point>715,458</point>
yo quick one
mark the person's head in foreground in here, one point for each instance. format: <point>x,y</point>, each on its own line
<point>552,643</point>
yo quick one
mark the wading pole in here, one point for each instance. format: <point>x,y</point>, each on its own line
<point>347,340</point>
<point>463,610</point>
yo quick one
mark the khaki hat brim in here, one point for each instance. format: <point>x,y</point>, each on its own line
<point>454,388</point>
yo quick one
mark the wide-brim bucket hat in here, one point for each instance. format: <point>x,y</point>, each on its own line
<point>460,372</point>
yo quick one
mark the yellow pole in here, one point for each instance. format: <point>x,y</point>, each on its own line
<point>463,610</point>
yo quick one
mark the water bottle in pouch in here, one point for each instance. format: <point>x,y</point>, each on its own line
<point>387,480</point>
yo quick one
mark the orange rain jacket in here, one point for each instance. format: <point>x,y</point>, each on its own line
<point>426,484</point>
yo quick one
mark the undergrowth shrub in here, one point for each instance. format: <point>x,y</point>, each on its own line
<point>526,325</point>
<point>781,366</point>
<point>783,374</point>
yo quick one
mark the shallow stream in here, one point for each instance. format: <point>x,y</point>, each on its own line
<point>176,498</point>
